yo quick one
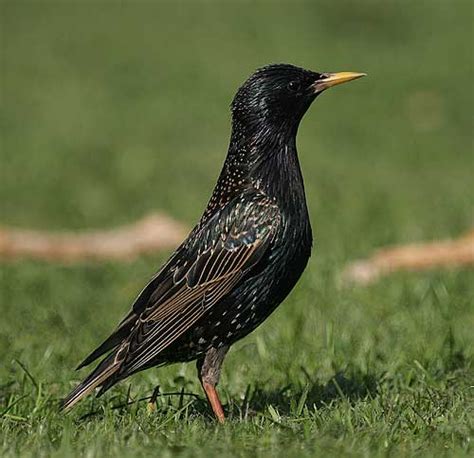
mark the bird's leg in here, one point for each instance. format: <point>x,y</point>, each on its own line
<point>213,399</point>
<point>209,369</point>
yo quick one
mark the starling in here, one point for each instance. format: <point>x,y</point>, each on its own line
<point>243,257</point>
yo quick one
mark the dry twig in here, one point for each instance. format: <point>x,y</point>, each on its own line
<point>417,256</point>
<point>152,233</point>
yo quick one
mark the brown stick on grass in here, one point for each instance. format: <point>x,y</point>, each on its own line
<point>417,256</point>
<point>152,233</point>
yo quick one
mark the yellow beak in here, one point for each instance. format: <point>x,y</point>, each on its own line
<point>333,79</point>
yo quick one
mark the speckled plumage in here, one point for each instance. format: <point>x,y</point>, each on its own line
<point>243,257</point>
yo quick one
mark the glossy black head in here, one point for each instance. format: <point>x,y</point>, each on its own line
<point>278,95</point>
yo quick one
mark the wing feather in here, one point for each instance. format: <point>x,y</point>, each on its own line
<point>193,304</point>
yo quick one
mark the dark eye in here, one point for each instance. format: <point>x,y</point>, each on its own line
<point>294,86</point>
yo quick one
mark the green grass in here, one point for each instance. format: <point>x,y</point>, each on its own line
<point>111,110</point>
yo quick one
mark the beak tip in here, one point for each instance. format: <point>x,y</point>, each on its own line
<point>333,79</point>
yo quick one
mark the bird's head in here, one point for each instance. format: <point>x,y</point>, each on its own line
<point>278,95</point>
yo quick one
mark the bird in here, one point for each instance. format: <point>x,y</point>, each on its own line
<point>243,257</point>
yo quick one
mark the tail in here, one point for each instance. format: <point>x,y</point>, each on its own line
<point>101,374</point>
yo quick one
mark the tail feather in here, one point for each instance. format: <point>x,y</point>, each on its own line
<point>106,346</point>
<point>101,374</point>
<point>112,341</point>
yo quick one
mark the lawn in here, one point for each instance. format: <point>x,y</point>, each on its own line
<point>111,110</point>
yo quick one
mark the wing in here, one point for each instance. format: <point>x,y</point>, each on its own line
<point>229,246</point>
<point>211,262</point>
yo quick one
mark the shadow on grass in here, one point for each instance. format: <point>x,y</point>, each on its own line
<point>292,400</point>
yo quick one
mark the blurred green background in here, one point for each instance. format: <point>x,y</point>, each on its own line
<point>110,110</point>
